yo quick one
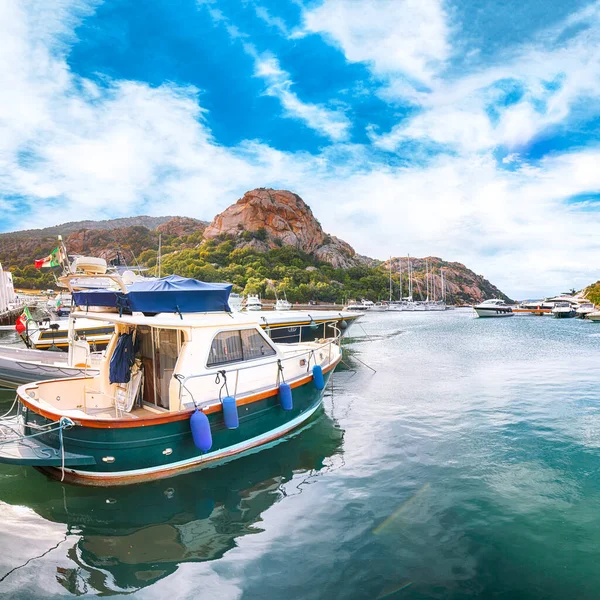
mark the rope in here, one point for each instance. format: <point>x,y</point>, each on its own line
<point>10,409</point>
<point>63,423</point>
<point>218,381</point>
<point>279,372</point>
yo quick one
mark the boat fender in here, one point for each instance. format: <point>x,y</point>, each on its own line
<point>201,431</point>
<point>230,412</point>
<point>343,324</point>
<point>285,396</point>
<point>318,377</point>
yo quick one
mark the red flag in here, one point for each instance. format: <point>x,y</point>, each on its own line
<point>20,325</point>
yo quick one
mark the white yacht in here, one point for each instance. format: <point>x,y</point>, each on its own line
<point>253,302</point>
<point>564,310</point>
<point>380,307</point>
<point>282,303</point>
<point>493,308</point>
<point>361,306</point>
<point>585,309</point>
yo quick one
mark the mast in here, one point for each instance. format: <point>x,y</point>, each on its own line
<point>390,278</point>
<point>427,277</point>
<point>410,286</point>
<point>400,271</point>
<point>443,290</point>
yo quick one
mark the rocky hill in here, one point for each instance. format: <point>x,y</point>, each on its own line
<point>264,219</point>
<point>72,226</point>
<point>268,241</point>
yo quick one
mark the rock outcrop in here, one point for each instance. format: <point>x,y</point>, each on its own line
<point>460,283</point>
<point>179,226</point>
<point>267,218</point>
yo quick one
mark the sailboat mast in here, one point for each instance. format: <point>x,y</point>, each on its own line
<point>400,271</point>
<point>410,287</point>
<point>390,278</point>
<point>443,289</point>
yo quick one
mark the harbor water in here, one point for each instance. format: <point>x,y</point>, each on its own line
<point>467,466</point>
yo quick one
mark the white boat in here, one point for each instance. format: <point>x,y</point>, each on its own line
<point>185,384</point>
<point>282,303</point>
<point>493,308</point>
<point>594,317</point>
<point>395,306</point>
<point>380,307</point>
<point>253,303</point>
<point>22,365</point>
<point>585,309</point>
<point>564,310</point>
<point>235,302</point>
<point>362,306</point>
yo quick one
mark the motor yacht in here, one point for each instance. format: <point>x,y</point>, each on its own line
<point>183,384</point>
<point>585,309</point>
<point>564,310</point>
<point>253,303</point>
<point>362,306</point>
<point>282,304</point>
<point>494,307</point>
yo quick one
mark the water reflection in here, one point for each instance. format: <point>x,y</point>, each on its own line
<point>123,539</point>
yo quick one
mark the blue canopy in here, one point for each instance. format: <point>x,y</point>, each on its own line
<point>172,294</point>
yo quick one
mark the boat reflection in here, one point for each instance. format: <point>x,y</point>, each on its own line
<point>130,537</point>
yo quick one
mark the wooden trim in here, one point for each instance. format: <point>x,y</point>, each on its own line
<point>171,417</point>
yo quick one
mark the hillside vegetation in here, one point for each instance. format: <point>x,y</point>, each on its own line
<point>268,242</point>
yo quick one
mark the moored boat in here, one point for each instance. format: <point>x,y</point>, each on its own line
<point>585,309</point>
<point>184,384</point>
<point>23,365</point>
<point>361,306</point>
<point>563,310</point>
<point>493,308</point>
<point>253,303</point>
<point>282,304</point>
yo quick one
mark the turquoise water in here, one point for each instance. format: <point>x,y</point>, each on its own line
<point>467,466</point>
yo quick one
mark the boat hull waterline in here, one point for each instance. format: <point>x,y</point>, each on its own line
<point>119,452</point>
<point>494,312</point>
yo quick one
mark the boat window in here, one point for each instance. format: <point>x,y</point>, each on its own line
<point>254,345</point>
<point>225,348</point>
<point>236,346</point>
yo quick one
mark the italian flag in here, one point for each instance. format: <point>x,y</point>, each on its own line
<point>52,260</point>
<point>21,324</point>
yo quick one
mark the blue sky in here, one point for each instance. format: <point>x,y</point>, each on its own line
<point>461,129</point>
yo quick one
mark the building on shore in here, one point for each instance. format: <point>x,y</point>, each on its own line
<point>10,305</point>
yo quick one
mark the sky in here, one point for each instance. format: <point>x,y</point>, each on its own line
<point>464,129</point>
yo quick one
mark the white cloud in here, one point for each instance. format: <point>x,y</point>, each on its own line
<point>393,36</point>
<point>276,22</point>
<point>330,123</point>
<point>454,111</point>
